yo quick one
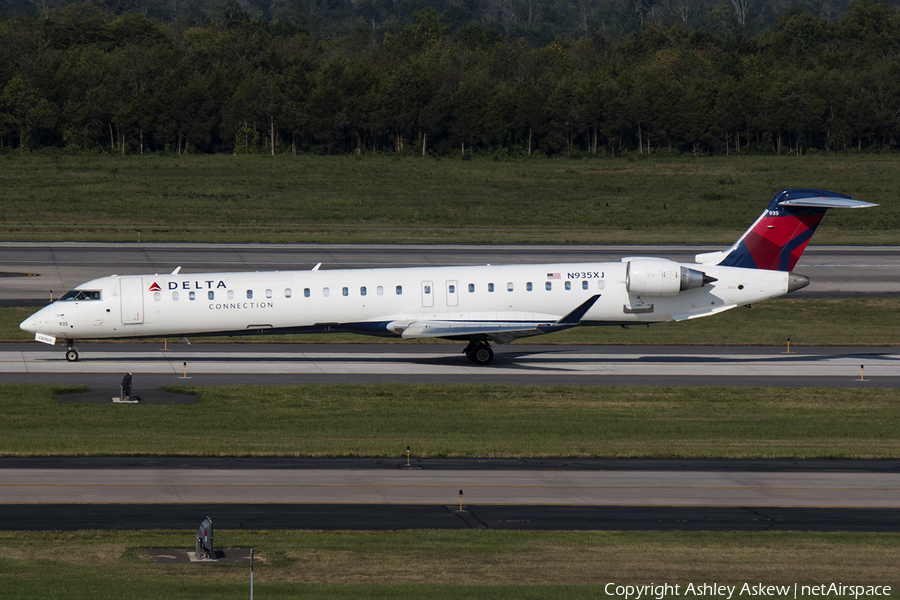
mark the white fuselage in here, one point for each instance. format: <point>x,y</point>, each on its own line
<point>384,301</point>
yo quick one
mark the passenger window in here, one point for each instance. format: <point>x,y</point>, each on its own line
<point>362,291</point>
<point>399,289</point>
<point>326,292</point>
<point>157,296</point>
<point>287,292</point>
<point>584,284</point>
<point>249,294</point>
<point>471,287</point>
<point>211,295</point>
<point>230,294</point>
<point>380,290</point>
<point>490,287</point>
<point>548,286</point>
<point>192,296</point>
<point>306,292</point>
<point>528,286</point>
<point>601,284</point>
<point>568,285</point>
<point>509,286</point>
<point>268,293</point>
<point>175,296</point>
<point>345,291</point>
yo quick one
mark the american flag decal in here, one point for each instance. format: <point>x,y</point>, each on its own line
<point>552,275</point>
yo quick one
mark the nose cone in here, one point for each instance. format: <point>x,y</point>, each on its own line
<point>33,323</point>
<point>29,325</point>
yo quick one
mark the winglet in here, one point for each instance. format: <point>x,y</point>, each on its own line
<point>574,317</point>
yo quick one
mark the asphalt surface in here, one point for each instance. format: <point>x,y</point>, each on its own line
<point>196,476</point>
<point>520,487</point>
<point>71,517</point>
<point>102,365</point>
<point>56,267</point>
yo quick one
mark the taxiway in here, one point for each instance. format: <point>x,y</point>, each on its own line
<point>170,492</point>
<point>101,365</point>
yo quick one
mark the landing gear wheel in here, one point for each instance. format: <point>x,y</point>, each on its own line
<point>71,355</point>
<point>481,355</point>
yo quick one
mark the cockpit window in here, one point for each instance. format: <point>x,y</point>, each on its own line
<point>79,295</point>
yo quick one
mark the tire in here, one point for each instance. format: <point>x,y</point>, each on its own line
<point>482,355</point>
<point>71,355</point>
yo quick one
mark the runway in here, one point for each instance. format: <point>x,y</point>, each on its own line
<point>385,495</point>
<point>101,365</point>
<point>45,267</point>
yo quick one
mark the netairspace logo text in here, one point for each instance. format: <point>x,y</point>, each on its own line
<point>727,592</point>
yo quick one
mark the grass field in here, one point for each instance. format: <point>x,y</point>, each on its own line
<point>436,564</point>
<point>806,321</point>
<point>388,199</point>
<point>461,420</point>
<point>392,199</point>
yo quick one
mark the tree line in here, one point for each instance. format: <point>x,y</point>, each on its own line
<point>538,22</point>
<point>82,78</point>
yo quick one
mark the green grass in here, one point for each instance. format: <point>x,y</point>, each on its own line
<point>436,564</point>
<point>473,421</point>
<point>814,321</point>
<point>392,199</point>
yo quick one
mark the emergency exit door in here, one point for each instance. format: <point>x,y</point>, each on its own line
<point>427,294</point>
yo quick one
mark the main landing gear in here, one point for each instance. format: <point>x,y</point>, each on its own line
<point>479,353</point>
<point>71,351</point>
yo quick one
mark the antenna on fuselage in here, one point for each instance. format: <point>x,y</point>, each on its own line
<point>316,268</point>
<point>177,269</point>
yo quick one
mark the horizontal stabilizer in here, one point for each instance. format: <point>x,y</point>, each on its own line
<point>826,202</point>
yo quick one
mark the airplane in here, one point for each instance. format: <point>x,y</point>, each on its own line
<point>479,305</point>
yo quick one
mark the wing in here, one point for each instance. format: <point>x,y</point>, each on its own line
<point>497,331</point>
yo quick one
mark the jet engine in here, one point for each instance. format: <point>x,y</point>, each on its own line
<point>660,277</point>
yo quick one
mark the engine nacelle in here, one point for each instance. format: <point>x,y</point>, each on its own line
<point>660,277</point>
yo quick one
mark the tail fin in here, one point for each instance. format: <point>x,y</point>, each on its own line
<point>778,237</point>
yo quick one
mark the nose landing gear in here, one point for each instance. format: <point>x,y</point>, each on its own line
<point>71,352</point>
<point>479,353</point>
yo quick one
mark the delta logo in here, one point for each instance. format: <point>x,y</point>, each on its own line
<point>188,285</point>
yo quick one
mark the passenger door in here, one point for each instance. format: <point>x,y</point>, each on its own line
<point>131,296</point>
